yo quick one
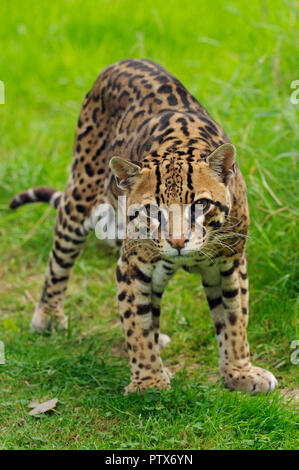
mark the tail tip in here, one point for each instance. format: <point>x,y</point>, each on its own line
<point>14,203</point>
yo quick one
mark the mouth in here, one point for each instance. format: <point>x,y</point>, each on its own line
<point>179,253</point>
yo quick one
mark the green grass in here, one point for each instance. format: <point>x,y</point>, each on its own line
<point>238,59</point>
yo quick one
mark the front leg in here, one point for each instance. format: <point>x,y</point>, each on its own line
<point>226,287</point>
<point>134,290</point>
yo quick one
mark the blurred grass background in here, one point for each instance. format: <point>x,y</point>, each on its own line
<point>239,59</point>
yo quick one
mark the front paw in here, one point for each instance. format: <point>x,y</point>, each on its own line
<point>161,382</point>
<point>249,379</point>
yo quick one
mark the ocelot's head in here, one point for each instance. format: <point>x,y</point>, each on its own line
<point>178,202</point>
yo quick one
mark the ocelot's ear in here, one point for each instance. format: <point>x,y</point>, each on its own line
<point>223,162</point>
<point>125,172</point>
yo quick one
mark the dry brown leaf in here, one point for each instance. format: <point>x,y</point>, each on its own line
<point>42,407</point>
<point>33,404</point>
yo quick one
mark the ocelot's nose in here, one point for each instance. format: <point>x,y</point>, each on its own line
<point>178,243</point>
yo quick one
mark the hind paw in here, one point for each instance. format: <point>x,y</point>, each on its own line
<point>163,341</point>
<point>43,321</point>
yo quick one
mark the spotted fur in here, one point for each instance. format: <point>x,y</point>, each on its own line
<point>141,133</point>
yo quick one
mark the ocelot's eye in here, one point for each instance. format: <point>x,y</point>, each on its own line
<point>204,203</point>
<point>198,208</point>
<point>132,217</point>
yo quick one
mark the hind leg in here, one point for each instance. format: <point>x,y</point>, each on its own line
<point>68,243</point>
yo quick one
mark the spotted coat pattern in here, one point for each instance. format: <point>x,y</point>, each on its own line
<point>170,151</point>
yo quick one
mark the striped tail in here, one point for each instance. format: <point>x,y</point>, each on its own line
<point>40,193</point>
